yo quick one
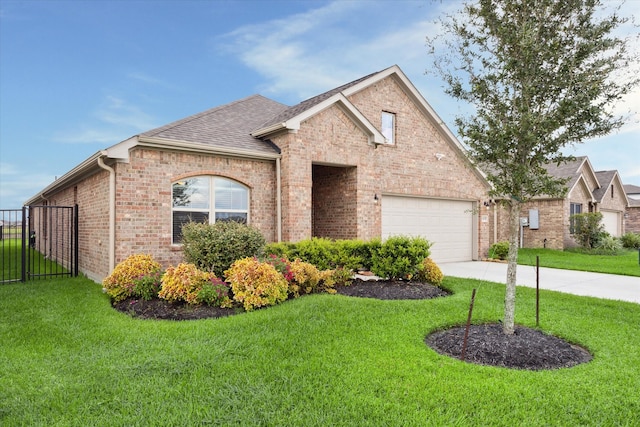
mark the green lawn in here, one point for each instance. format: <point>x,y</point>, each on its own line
<point>625,263</point>
<point>69,359</point>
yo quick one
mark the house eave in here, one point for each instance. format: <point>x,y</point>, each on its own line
<point>179,145</point>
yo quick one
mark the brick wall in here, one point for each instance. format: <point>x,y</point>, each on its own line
<point>409,167</point>
<point>144,198</point>
<point>632,219</point>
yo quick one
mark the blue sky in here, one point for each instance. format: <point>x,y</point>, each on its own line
<point>79,76</point>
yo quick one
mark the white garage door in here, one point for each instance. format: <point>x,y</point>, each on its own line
<point>448,224</point>
<point>611,222</point>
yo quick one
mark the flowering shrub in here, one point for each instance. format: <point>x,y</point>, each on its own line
<point>189,284</point>
<point>281,264</point>
<point>429,271</point>
<point>304,278</point>
<point>256,284</point>
<point>121,283</point>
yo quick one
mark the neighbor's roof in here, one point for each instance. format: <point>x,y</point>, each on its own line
<point>631,189</point>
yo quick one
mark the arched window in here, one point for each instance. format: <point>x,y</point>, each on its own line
<point>208,199</point>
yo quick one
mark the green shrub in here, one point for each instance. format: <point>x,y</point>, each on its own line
<point>351,254</point>
<point>609,244</point>
<point>256,284</point>
<point>399,256</point>
<point>317,251</point>
<point>587,229</point>
<point>186,283</point>
<point>215,293</point>
<point>147,286</point>
<point>214,247</point>
<point>428,271</point>
<point>631,240</point>
<point>499,250</point>
<point>121,283</point>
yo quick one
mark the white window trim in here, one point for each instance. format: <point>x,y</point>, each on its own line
<point>211,210</point>
<point>392,140</point>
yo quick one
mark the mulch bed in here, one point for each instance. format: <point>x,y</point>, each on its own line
<point>391,289</point>
<point>486,344</point>
<point>526,349</point>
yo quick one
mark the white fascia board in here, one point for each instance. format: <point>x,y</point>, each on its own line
<point>172,144</point>
<point>375,136</point>
<point>293,124</point>
<point>583,182</point>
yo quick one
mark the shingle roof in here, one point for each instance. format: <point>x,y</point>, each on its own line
<point>631,189</point>
<point>227,126</point>
<point>604,178</point>
<point>309,103</point>
<point>567,170</point>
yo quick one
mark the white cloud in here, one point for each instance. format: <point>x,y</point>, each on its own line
<point>308,53</point>
<point>117,120</point>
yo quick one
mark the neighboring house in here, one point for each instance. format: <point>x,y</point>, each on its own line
<point>632,215</point>
<point>368,159</point>
<point>548,219</point>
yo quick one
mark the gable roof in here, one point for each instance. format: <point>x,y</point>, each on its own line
<point>228,126</point>
<point>605,178</point>
<point>570,170</point>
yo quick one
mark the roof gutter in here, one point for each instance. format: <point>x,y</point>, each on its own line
<point>112,209</point>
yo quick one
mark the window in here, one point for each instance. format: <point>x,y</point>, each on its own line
<point>389,127</point>
<point>208,199</point>
<point>612,191</point>
<point>574,209</point>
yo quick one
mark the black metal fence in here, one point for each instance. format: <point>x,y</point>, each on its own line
<point>38,242</point>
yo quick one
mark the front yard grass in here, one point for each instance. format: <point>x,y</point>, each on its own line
<point>69,359</point>
<point>626,263</point>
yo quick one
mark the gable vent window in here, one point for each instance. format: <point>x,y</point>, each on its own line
<point>389,127</point>
<point>612,191</point>
<point>207,199</point>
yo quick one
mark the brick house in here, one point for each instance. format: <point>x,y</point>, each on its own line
<point>632,215</point>
<point>368,159</point>
<point>549,218</point>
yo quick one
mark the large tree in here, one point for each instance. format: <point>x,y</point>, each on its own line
<point>540,75</point>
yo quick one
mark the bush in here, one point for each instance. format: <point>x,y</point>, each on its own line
<point>329,279</point>
<point>304,278</point>
<point>631,240</point>
<point>121,283</point>
<point>326,253</point>
<point>609,244</point>
<point>147,287</point>
<point>587,229</point>
<point>428,271</point>
<point>499,250</point>
<point>214,247</point>
<point>256,284</point>
<point>189,284</point>
<point>399,256</point>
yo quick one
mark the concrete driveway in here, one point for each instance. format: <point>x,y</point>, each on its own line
<point>608,286</point>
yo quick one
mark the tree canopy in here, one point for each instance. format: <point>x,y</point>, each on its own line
<point>541,75</point>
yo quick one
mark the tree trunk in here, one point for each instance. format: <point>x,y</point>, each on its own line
<point>508,325</point>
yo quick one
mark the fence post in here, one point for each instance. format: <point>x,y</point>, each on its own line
<point>76,249</point>
<point>23,256</point>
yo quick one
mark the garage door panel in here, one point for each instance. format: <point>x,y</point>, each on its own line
<point>611,222</point>
<point>448,224</point>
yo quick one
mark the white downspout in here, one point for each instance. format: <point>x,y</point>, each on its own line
<point>278,202</point>
<point>112,211</point>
